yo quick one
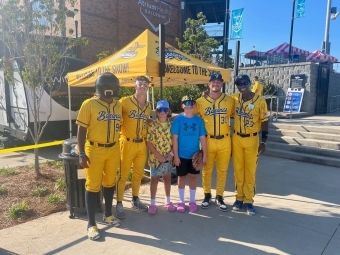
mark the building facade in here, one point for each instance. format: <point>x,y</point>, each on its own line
<point>111,24</point>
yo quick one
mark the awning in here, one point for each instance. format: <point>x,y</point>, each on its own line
<point>140,57</point>
<point>284,49</point>
<point>318,56</point>
<point>256,55</point>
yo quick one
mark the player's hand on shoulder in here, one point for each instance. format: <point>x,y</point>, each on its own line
<point>205,93</point>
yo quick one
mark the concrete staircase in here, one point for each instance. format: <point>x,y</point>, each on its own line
<point>306,142</point>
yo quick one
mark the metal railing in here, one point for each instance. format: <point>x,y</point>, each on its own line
<point>274,109</point>
<point>334,103</point>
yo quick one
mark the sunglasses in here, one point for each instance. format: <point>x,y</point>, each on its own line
<point>245,83</point>
<point>189,103</point>
<point>162,109</point>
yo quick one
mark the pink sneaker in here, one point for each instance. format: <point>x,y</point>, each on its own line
<point>170,207</point>
<point>192,207</point>
<point>152,209</point>
<point>181,207</point>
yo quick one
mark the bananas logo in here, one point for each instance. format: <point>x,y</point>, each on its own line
<point>129,53</point>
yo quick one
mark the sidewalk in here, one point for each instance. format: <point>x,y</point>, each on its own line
<point>298,212</point>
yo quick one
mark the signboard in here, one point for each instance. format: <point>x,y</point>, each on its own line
<point>293,100</point>
<point>297,81</point>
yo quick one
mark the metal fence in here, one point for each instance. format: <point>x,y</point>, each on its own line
<point>276,106</point>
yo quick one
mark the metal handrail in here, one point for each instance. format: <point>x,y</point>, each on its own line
<point>337,103</point>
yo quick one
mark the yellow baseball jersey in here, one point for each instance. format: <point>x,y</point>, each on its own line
<point>215,113</point>
<point>134,118</point>
<point>257,88</point>
<point>250,114</point>
<point>102,120</point>
<point>160,137</point>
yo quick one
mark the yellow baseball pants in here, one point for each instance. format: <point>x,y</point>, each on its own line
<point>104,163</point>
<point>245,158</point>
<point>219,151</point>
<point>134,154</point>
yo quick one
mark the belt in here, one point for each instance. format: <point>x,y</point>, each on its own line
<point>245,135</point>
<point>106,145</point>
<point>135,140</point>
<point>218,137</point>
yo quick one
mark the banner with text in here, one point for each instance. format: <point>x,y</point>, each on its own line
<point>300,8</point>
<point>236,24</point>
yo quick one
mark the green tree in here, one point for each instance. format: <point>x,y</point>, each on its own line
<point>31,34</point>
<point>103,54</point>
<point>269,88</point>
<point>197,42</point>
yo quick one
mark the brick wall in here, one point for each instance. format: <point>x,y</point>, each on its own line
<point>111,24</point>
<point>333,90</point>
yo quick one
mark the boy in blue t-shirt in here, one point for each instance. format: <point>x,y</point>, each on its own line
<point>187,131</point>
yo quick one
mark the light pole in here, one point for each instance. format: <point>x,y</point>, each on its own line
<point>291,33</point>
<point>76,18</point>
<point>226,37</point>
<point>331,13</point>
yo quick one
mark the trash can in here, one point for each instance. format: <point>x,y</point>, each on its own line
<point>75,180</point>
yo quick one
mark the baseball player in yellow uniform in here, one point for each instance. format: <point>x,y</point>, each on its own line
<point>257,86</point>
<point>215,109</point>
<point>250,117</point>
<point>99,122</point>
<point>136,114</point>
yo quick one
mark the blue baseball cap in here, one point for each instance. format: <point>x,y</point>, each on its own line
<point>216,76</point>
<point>162,104</point>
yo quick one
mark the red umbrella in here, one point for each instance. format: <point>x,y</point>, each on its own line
<point>284,49</point>
<point>318,56</point>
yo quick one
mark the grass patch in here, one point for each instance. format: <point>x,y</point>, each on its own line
<point>18,210</point>
<point>60,184</point>
<point>55,199</point>
<point>8,171</point>
<point>55,163</point>
<point>40,192</point>
<point>3,190</point>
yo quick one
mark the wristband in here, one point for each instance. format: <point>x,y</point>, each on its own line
<point>263,143</point>
<point>171,153</point>
<point>82,154</point>
<point>264,134</point>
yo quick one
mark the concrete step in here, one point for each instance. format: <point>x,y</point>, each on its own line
<point>304,149</point>
<point>303,128</point>
<point>305,142</point>
<point>321,160</point>
<point>305,135</point>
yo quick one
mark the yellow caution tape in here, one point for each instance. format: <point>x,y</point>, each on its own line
<point>29,147</point>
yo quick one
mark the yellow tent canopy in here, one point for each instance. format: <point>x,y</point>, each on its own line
<point>140,57</point>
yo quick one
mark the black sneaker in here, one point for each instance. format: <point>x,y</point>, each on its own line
<point>250,209</point>
<point>206,202</point>
<point>237,205</point>
<point>220,203</point>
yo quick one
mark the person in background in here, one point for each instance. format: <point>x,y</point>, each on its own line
<point>159,142</point>
<point>187,132</point>
<point>99,122</point>
<point>257,86</point>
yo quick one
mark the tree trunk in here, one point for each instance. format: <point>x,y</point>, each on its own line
<point>36,162</point>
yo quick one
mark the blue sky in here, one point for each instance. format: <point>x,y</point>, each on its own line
<point>266,24</point>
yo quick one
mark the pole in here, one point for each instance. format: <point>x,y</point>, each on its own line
<point>291,33</point>
<point>326,44</point>
<point>225,38</point>
<point>76,25</point>
<point>69,110</point>
<point>236,61</point>
<point>183,7</point>
<point>161,56</point>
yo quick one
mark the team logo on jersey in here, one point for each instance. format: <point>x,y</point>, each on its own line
<point>134,115</point>
<point>241,113</point>
<point>209,111</point>
<point>104,116</point>
<point>192,127</point>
